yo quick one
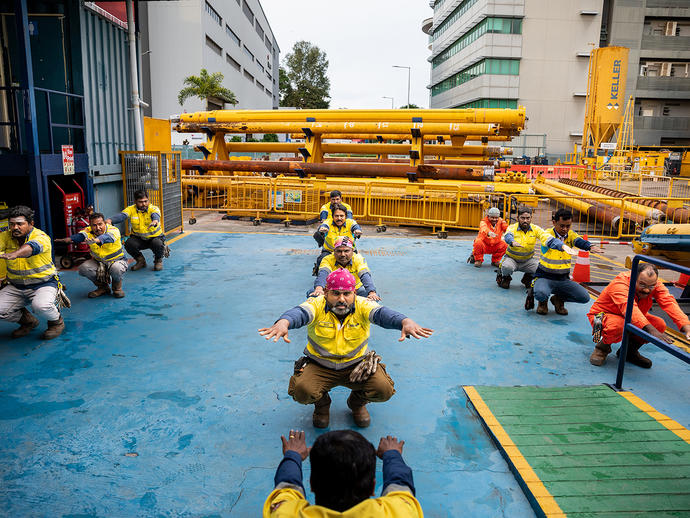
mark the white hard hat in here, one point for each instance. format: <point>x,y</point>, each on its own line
<point>494,212</point>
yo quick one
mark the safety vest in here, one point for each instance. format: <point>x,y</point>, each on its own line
<point>335,232</point>
<point>141,221</point>
<point>334,344</point>
<point>290,503</point>
<point>108,252</point>
<point>27,271</point>
<point>554,261</point>
<point>522,248</point>
<point>327,207</point>
<point>357,266</point>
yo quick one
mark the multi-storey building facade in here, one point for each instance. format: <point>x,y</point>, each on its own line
<point>233,37</point>
<point>505,53</point>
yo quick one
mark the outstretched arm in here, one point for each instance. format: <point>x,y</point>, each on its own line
<point>390,319</point>
<point>397,476</point>
<point>291,319</point>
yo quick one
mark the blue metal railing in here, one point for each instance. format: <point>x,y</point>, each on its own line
<point>12,117</point>
<point>70,99</point>
<point>628,327</point>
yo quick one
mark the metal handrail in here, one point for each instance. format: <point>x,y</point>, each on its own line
<point>52,124</point>
<point>628,327</point>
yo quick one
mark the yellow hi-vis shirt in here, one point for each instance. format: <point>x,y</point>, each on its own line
<point>27,271</point>
<point>335,345</point>
<point>522,248</point>
<point>107,252</point>
<point>140,221</point>
<point>290,503</point>
<point>335,232</point>
<point>357,266</point>
<point>554,261</point>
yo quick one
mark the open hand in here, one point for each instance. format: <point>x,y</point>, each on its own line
<point>373,296</point>
<point>411,328</point>
<point>388,443</point>
<point>295,442</point>
<point>276,331</point>
<point>596,249</point>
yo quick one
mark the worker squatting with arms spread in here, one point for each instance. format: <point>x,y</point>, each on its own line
<point>344,256</point>
<point>337,348</point>
<point>343,478</point>
<point>553,272</point>
<point>31,274</point>
<point>489,241</point>
<point>607,315</point>
<point>521,237</point>
<point>336,198</point>
<point>107,257</point>
<point>145,220</point>
<point>340,225</point>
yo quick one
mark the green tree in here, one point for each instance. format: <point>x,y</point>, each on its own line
<point>270,137</point>
<point>302,79</point>
<point>206,87</point>
<point>410,106</point>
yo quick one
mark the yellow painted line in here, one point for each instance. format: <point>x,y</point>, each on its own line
<point>249,233</point>
<point>178,237</point>
<point>662,419</point>
<point>599,256</point>
<point>545,500</point>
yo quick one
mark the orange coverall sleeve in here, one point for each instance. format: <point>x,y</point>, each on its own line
<point>619,296</point>
<point>483,229</point>
<point>668,303</point>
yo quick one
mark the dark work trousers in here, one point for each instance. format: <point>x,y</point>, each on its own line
<point>319,238</point>
<point>135,244</point>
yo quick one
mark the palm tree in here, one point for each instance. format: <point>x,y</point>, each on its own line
<point>206,86</point>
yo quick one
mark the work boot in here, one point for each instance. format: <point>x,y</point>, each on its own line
<point>527,280</point>
<point>157,265</point>
<point>505,282</point>
<point>499,278</point>
<point>26,323</point>
<point>321,416</point>
<point>359,412</point>
<point>478,264</point>
<point>101,289</point>
<point>598,357</point>
<point>141,263</point>
<point>543,307</point>
<point>55,329</point>
<point>559,305</point>
<point>635,357</point>
<point>117,290</point>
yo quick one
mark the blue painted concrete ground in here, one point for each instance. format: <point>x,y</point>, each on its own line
<point>168,403</point>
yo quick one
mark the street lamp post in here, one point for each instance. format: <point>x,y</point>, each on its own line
<point>391,98</point>
<point>409,71</point>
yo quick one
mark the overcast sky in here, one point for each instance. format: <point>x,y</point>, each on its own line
<point>362,40</point>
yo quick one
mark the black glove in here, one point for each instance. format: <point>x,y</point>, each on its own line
<point>300,364</point>
<point>529,301</point>
<point>597,327</point>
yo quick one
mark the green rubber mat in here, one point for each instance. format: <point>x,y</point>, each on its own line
<point>589,451</point>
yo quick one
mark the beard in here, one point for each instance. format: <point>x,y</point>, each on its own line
<point>341,309</point>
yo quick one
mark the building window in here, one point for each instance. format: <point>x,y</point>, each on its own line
<point>214,46</point>
<point>489,103</point>
<point>261,87</point>
<point>438,4</point>
<point>267,42</point>
<point>248,53</point>
<point>248,12</point>
<point>485,66</point>
<point>260,67</point>
<point>453,17</point>
<point>487,25</point>
<point>270,77</point>
<point>213,14</point>
<point>249,76</point>
<point>232,35</point>
<point>269,93</point>
<point>232,62</point>
<point>259,30</point>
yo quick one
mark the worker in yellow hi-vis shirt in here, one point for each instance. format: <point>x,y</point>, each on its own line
<point>343,478</point>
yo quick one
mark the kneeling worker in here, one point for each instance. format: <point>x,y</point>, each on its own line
<point>108,259</point>
<point>608,314</point>
<point>145,220</point>
<point>521,238</point>
<point>336,198</point>
<point>343,256</point>
<point>31,274</point>
<point>340,225</point>
<point>489,241</point>
<point>336,352</point>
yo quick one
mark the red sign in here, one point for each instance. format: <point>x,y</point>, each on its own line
<point>68,159</point>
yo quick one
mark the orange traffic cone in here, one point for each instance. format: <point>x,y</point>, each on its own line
<point>682,281</point>
<point>581,270</point>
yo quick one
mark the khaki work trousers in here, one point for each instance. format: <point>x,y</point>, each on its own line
<point>314,381</point>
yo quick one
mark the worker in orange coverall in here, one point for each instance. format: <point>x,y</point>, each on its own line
<point>608,314</point>
<point>489,241</point>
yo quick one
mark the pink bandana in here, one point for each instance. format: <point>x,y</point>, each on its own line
<point>343,241</point>
<point>341,280</point>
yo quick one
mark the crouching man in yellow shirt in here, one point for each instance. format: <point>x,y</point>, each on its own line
<point>343,478</point>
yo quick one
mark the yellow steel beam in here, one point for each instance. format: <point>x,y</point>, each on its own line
<point>401,136</point>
